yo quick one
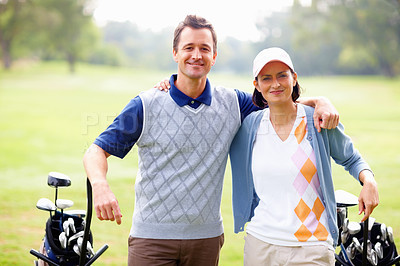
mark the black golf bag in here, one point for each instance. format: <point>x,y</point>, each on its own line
<point>68,239</point>
<point>52,245</point>
<point>381,249</point>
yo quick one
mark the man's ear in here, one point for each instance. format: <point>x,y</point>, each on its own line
<point>214,58</point>
<point>174,55</point>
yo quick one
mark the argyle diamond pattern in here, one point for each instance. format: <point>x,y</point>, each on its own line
<point>183,153</point>
<point>310,208</point>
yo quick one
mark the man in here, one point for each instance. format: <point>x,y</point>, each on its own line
<point>183,139</point>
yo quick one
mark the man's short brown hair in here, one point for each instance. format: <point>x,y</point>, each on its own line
<point>194,22</point>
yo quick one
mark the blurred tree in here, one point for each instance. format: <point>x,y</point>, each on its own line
<point>338,36</point>
<point>372,35</point>
<point>48,28</point>
<point>361,36</point>
<point>235,56</point>
<point>310,55</point>
<point>67,28</point>
<point>141,48</point>
<point>107,54</point>
<point>14,18</point>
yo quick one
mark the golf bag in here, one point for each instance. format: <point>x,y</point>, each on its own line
<point>51,243</point>
<point>68,240</point>
<point>367,243</point>
<point>381,249</point>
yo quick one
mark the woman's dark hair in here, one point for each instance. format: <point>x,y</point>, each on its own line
<point>259,100</point>
<point>194,22</point>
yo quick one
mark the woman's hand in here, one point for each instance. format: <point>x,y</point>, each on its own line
<point>369,197</point>
<point>163,85</point>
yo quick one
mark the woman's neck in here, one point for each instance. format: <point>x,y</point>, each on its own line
<point>282,117</point>
<point>283,113</point>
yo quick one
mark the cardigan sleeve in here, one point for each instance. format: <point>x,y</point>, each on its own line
<point>344,153</point>
<point>244,198</point>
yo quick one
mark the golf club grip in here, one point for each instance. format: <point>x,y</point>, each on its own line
<point>365,242</point>
<point>82,259</point>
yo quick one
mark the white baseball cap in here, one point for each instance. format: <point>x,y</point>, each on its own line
<point>269,55</point>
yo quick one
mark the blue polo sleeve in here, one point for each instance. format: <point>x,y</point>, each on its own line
<point>245,104</point>
<point>119,138</point>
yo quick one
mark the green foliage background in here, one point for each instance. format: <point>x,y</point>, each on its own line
<point>343,37</point>
<point>48,118</point>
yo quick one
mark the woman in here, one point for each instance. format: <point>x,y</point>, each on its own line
<point>282,181</point>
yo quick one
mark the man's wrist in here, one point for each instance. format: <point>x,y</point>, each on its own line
<point>99,182</point>
<point>312,101</point>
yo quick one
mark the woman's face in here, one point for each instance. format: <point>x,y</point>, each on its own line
<point>275,83</point>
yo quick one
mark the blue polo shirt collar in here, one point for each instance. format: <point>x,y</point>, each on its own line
<point>182,99</point>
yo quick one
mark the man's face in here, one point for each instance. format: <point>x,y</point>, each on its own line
<point>195,55</point>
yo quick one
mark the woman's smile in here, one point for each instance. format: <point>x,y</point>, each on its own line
<point>276,92</point>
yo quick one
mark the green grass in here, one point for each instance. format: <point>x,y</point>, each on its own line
<point>48,118</point>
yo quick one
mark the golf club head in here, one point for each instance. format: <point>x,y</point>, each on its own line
<point>76,236</point>
<point>354,228</point>
<point>45,204</point>
<point>369,246</point>
<point>79,243</point>
<point>66,228</point>
<point>389,230</point>
<point>371,221</point>
<point>63,240</point>
<point>90,248</point>
<point>345,199</point>
<point>351,251</point>
<point>55,179</point>
<point>373,257</point>
<point>71,223</point>
<point>64,203</point>
<point>379,249</point>
<point>342,214</point>
<point>76,249</point>
<point>344,236</point>
<point>383,232</point>
<point>345,225</point>
<point>357,245</point>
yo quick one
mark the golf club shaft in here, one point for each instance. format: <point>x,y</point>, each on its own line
<point>365,249</point>
<point>395,260</point>
<point>56,195</point>
<point>82,258</point>
<point>43,257</point>
<point>98,254</point>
